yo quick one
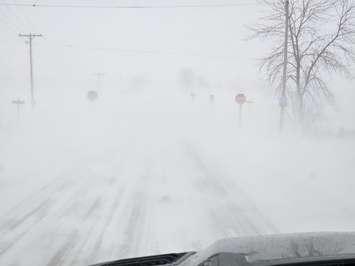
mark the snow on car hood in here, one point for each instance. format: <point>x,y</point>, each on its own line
<point>283,246</point>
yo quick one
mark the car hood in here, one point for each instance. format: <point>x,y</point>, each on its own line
<point>281,247</point>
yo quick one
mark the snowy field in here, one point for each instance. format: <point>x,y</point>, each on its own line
<point>136,176</point>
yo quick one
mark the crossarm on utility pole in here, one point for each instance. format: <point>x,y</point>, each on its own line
<point>18,103</point>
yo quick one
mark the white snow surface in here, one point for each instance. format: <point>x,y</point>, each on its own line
<point>83,182</point>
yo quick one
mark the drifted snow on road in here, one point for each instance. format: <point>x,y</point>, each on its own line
<point>161,201</point>
<point>129,178</point>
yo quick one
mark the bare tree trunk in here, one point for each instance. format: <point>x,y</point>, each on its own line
<point>299,92</point>
<point>301,109</point>
<point>314,52</point>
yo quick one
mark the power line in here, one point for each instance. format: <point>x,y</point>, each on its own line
<point>13,17</point>
<point>17,17</point>
<point>27,21</point>
<point>4,19</point>
<point>43,5</point>
<point>147,52</point>
<point>19,21</point>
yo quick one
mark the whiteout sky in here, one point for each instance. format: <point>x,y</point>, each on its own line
<point>150,171</point>
<point>155,43</point>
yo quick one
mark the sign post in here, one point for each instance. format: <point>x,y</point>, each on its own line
<point>240,99</point>
<point>212,98</point>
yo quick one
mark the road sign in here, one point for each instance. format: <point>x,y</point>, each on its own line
<point>240,98</point>
<point>92,95</point>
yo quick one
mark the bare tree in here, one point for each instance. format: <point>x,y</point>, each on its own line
<point>321,40</point>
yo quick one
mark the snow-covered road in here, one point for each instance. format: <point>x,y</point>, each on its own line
<point>138,176</point>
<point>146,203</point>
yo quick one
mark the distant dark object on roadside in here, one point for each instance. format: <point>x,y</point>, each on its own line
<point>92,95</point>
<point>331,133</point>
<point>345,133</point>
<point>212,97</point>
<point>240,98</point>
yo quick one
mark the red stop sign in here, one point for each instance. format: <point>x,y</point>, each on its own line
<point>240,98</point>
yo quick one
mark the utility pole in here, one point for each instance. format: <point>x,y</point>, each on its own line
<point>30,37</point>
<point>283,98</point>
<point>18,102</point>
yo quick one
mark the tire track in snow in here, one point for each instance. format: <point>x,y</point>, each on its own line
<point>234,219</point>
<point>44,209</point>
<point>18,235</point>
<point>38,214</point>
<point>96,213</point>
<point>55,204</point>
<point>12,219</point>
<point>18,227</point>
<point>59,257</point>
<point>77,237</point>
<point>93,208</point>
<point>134,231</point>
<point>44,193</point>
<point>84,248</point>
<point>87,221</point>
<point>107,222</point>
<point>81,242</point>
